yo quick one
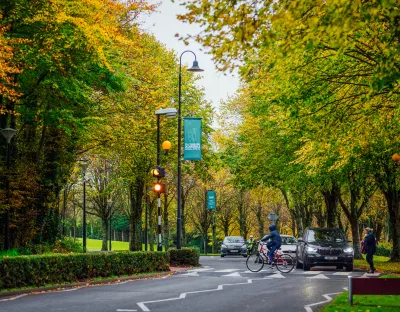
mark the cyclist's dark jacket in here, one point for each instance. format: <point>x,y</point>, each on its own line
<point>274,236</point>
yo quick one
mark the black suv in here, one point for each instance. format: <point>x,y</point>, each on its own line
<point>324,247</point>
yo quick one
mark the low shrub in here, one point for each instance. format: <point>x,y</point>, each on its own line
<point>383,251</point>
<point>184,256</point>
<point>22,271</point>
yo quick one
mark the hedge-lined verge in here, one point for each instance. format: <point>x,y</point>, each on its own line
<point>184,256</point>
<point>383,251</point>
<point>25,271</point>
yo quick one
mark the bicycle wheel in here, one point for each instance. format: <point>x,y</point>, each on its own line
<point>285,263</point>
<point>255,262</point>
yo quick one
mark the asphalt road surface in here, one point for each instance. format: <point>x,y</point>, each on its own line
<point>221,284</point>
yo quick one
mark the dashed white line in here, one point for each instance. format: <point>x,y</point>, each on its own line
<point>13,298</point>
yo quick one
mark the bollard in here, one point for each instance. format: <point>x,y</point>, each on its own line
<point>350,299</point>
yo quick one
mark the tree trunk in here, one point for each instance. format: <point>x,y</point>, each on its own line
<point>378,230</point>
<point>104,234</point>
<point>355,231</point>
<point>393,201</point>
<point>136,195</point>
<point>331,201</point>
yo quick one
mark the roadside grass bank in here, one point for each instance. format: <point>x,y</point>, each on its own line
<point>381,263</point>
<point>95,245</point>
<point>364,303</point>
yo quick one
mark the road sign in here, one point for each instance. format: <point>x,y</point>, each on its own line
<point>272,216</point>
<point>211,200</point>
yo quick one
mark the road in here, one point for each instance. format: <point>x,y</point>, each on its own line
<point>221,284</point>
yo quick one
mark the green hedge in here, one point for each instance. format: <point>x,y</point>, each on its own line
<point>24,271</point>
<point>383,251</point>
<point>184,256</point>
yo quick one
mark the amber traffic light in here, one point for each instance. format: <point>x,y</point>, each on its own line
<point>159,188</point>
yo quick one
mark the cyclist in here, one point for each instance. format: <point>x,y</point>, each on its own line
<point>250,245</point>
<point>274,244</point>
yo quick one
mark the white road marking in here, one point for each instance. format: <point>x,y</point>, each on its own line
<point>227,270</point>
<point>191,274</point>
<point>277,275</point>
<point>201,270</point>
<point>312,272</point>
<point>319,276</point>
<point>13,298</point>
<point>144,308</point>
<point>125,310</point>
<point>236,274</point>
<point>328,299</point>
<point>368,275</point>
<point>342,273</point>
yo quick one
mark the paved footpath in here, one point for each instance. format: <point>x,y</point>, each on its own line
<point>222,284</point>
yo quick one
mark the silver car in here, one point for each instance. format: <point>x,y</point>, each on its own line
<point>289,244</point>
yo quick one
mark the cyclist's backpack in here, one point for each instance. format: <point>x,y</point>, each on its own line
<point>363,248</point>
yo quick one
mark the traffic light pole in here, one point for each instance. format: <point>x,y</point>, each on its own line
<point>159,245</point>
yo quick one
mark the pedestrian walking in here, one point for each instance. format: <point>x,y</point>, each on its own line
<point>370,248</point>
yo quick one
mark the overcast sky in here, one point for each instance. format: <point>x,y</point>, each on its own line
<point>164,25</point>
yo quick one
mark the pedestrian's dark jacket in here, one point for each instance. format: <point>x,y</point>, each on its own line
<point>274,236</point>
<point>370,243</point>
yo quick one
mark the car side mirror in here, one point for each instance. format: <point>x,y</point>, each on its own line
<point>300,240</point>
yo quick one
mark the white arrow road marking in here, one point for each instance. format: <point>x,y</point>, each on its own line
<point>236,274</point>
<point>328,299</point>
<point>312,272</point>
<point>227,270</point>
<point>191,274</point>
<point>201,270</point>
<point>341,273</point>
<point>143,304</point>
<point>277,275</point>
<point>319,276</point>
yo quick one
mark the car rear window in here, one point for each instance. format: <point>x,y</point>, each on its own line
<point>234,240</point>
<point>289,241</point>
<point>327,235</point>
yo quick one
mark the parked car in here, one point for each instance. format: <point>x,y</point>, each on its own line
<point>324,247</point>
<point>233,246</point>
<point>289,245</point>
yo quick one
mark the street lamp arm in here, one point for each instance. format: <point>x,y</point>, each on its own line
<point>180,58</point>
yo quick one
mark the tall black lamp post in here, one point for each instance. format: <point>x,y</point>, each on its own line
<point>194,68</point>
<point>84,165</point>
<point>8,133</point>
<point>109,203</point>
<point>169,112</point>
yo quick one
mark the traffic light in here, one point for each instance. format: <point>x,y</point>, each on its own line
<point>159,187</point>
<point>158,172</point>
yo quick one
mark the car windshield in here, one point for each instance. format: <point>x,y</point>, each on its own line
<point>325,235</point>
<point>234,240</point>
<point>288,240</point>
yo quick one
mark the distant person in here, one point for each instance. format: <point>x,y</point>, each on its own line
<point>250,245</point>
<point>275,242</point>
<point>370,248</point>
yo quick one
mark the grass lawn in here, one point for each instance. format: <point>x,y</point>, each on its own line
<point>382,264</point>
<point>364,303</point>
<point>95,245</point>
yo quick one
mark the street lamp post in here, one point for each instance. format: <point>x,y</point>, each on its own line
<point>169,112</point>
<point>8,133</point>
<point>84,165</point>
<point>194,68</point>
<point>110,202</point>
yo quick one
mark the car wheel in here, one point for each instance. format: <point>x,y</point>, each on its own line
<point>222,256</point>
<point>339,267</point>
<point>298,265</point>
<point>349,268</point>
<point>244,256</point>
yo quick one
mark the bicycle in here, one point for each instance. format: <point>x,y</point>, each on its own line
<point>255,262</point>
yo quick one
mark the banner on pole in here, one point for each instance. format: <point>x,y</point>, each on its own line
<point>192,138</point>
<point>211,200</point>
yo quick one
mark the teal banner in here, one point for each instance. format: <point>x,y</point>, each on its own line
<point>211,200</point>
<point>192,139</point>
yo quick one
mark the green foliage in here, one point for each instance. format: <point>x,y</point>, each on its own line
<point>184,256</point>
<point>58,268</point>
<point>383,251</point>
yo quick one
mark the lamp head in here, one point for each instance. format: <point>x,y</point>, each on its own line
<point>84,165</point>
<point>8,133</point>
<point>396,157</point>
<point>166,146</point>
<point>195,68</point>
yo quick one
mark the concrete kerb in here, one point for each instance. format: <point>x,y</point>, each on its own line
<point>116,280</point>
